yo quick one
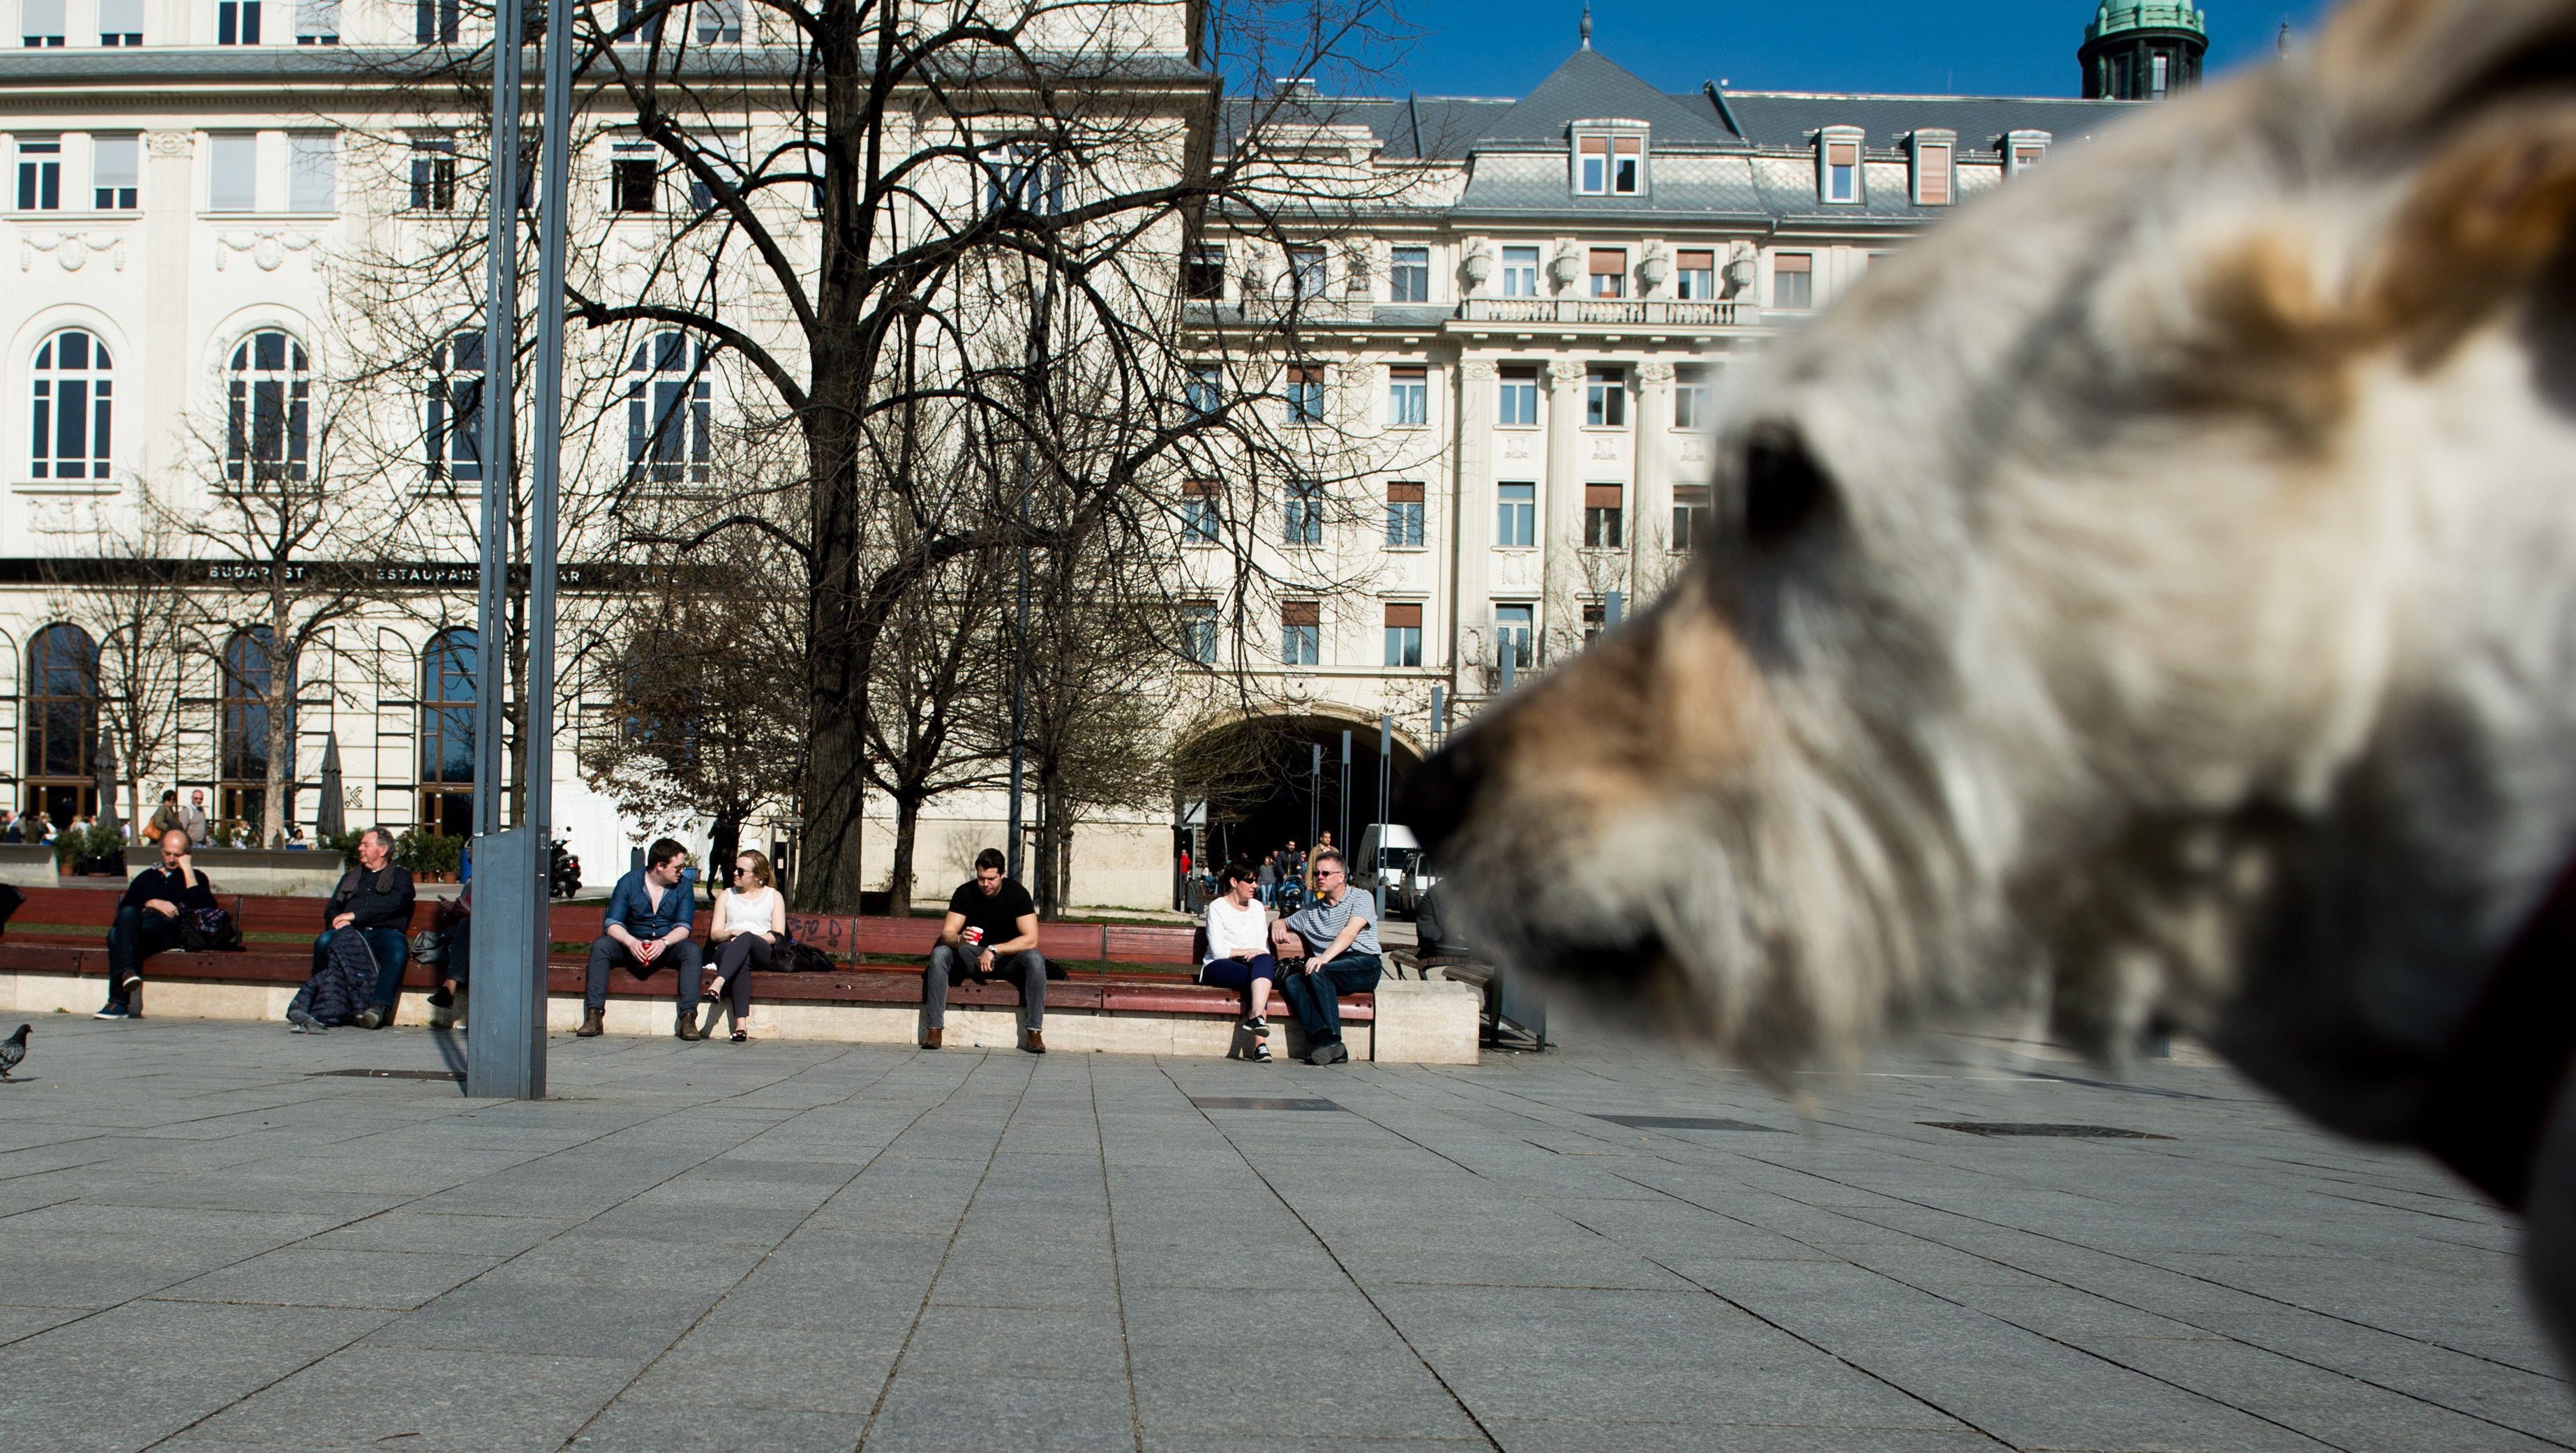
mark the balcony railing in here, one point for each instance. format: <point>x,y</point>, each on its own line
<point>1600,312</point>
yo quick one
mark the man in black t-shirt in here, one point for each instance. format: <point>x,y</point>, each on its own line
<point>991,932</point>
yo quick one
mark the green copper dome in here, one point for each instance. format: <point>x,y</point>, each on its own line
<point>2110,20</point>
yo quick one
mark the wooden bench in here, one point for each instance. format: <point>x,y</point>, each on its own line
<point>57,939</point>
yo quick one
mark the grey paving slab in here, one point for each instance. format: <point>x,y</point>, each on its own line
<point>797,1246</point>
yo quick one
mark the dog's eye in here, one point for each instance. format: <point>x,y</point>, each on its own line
<point>1784,487</point>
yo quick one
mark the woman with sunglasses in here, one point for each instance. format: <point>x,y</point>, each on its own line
<point>750,921</point>
<point>1238,953</point>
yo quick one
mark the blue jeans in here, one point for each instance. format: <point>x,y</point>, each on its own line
<point>392,951</point>
<point>1316,998</point>
<point>1238,974</point>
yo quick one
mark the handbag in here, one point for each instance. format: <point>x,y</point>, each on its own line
<point>429,946</point>
<point>203,930</point>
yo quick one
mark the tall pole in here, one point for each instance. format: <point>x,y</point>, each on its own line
<point>1315,801</point>
<point>500,359</point>
<point>1439,718</point>
<point>1344,841</point>
<point>1385,781</point>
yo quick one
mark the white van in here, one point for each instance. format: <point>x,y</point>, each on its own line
<point>1392,868</point>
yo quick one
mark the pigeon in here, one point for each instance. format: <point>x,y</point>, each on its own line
<point>12,1050</point>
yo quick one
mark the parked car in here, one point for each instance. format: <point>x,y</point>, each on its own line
<point>1392,867</point>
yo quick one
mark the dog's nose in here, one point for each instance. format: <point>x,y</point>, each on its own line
<point>1435,795</point>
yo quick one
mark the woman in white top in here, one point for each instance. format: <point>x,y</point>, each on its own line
<point>750,921</point>
<point>1238,953</point>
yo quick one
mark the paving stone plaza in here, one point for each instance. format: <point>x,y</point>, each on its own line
<point>210,1241</point>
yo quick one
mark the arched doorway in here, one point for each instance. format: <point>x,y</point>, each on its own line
<point>1267,781</point>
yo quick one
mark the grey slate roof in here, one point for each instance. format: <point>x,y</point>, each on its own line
<point>1591,85</point>
<point>1792,118</point>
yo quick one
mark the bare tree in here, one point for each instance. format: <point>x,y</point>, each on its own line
<point>129,584</point>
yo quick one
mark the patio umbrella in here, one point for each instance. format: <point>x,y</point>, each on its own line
<point>107,783</point>
<point>332,819</point>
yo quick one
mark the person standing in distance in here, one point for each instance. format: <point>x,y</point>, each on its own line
<point>991,932</point>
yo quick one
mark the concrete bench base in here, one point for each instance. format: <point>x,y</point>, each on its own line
<point>1416,1022</point>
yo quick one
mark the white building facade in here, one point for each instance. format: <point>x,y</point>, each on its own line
<point>1517,330</point>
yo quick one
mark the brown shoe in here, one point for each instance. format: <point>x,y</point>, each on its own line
<point>592,1023</point>
<point>686,1026</point>
<point>930,1039</point>
<point>1033,1042</point>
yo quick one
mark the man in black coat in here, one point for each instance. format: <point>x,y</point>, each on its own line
<point>148,921</point>
<point>373,899</point>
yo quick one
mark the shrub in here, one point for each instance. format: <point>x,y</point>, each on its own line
<point>343,843</point>
<point>83,849</point>
<point>426,852</point>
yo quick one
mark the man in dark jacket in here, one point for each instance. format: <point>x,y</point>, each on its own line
<point>148,922</point>
<point>650,914</point>
<point>374,900</point>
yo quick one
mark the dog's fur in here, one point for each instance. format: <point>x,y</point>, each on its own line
<point>2154,592</point>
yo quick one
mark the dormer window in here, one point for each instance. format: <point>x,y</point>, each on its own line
<point>1838,164</point>
<point>1933,181</point>
<point>2023,149</point>
<point>1609,164</point>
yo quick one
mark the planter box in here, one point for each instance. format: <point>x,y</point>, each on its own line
<point>27,867</point>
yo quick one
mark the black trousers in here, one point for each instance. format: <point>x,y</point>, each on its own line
<point>138,934</point>
<point>736,958</point>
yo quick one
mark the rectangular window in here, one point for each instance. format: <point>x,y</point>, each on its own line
<point>1519,401</point>
<point>312,168</point>
<point>1690,396</point>
<point>1627,165</point>
<point>2156,76</point>
<point>1515,634</point>
<point>1404,516</point>
<point>317,22</point>
<point>1306,272</point>
<point>455,430</point>
<point>1302,520</point>
<point>237,22</point>
<point>1520,272</point>
<point>1690,516</point>
<point>1793,280</point>
<point>723,151</point>
<point>40,174</point>
<point>1605,398</point>
<point>1602,523</point>
<point>1609,272</point>
<point>1408,280</point>
<point>1932,173</point>
<point>232,172</point>
<point>634,177</point>
<point>1301,632</point>
<point>1592,165</point>
<point>1404,633</point>
<point>115,163</point>
<point>1408,397</point>
<point>1842,171</point>
<point>719,22</point>
<point>120,22</point>
<point>1596,619</point>
<point>1198,511</point>
<point>1203,275</point>
<point>1305,393</point>
<point>1022,177</point>
<point>1198,631</point>
<point>1205,391</point>
<point>436,22</point>
<point>1515,516</point>
<point>433,174</point>
<point>1695,276</point>
<point>40,22</point>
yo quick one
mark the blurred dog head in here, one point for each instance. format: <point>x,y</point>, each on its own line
<point>2147,593</point>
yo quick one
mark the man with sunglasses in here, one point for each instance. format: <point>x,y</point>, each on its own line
<point>1327,949</point>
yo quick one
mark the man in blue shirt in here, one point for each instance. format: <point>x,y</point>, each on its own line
<point>647,923</point>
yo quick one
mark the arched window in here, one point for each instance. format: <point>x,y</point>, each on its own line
<point>242,734</point>
<point>447,732</point>
<point>455,434</point>
<point>71,407</point>
<point>670,406</point>
<point>269,386</point>
<point>62,723</point>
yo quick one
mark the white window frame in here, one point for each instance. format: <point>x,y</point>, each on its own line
<point>2024,150</point>
<point>1935,154</point>
<point>1828,141</point>
<point>1515,273</point>
<point>1619,138</point>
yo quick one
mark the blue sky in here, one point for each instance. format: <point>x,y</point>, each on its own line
<point>2005,47</point>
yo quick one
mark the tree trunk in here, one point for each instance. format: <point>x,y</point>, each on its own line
<point>907,827</point>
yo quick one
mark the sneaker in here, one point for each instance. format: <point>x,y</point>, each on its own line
<point>375,1018</point>
<point>1328,1054</point>
<point>304,1023</point>
<point>1261,1051</point>
<point>112,1010</point>
<point>1259,1024</point>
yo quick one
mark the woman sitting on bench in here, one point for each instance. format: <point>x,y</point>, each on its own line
<point>1238,953</point>
<point>750,922</point>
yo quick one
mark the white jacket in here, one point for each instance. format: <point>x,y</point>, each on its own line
<point>1236,933</point>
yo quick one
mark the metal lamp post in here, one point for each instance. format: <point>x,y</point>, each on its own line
<point>506,1054</point>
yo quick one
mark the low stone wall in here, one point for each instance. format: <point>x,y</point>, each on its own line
<point>1417,1022</point>
<point>22,866</point>
<point>265,870</point>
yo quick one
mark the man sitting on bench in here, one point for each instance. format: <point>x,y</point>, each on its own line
<point>991,932</point>
<point>1327,949</point>
<point>147,923</point>
<point>648,921</point>
<point>373,901</point>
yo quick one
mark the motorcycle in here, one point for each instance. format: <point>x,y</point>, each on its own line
<point>563,871</point>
